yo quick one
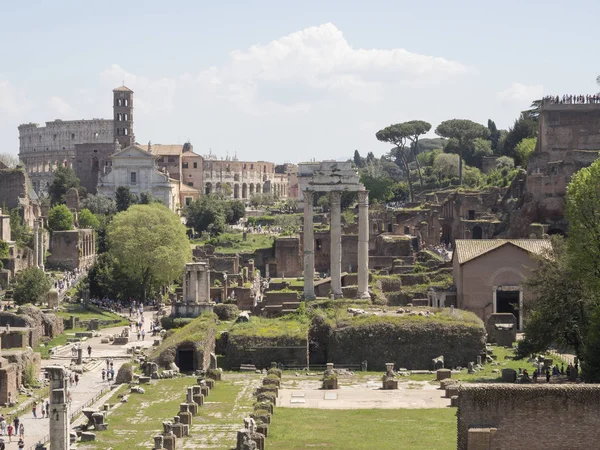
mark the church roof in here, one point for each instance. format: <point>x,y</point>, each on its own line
<point>122,89</point>
<point>468,249</point>
<point>186,188</point>
<point>166,149</point>
<point>186,154</point>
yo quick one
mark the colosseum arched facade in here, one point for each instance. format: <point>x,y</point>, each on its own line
<point>43,149</point>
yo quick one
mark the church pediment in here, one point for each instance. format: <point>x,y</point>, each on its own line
<point>133,151</point>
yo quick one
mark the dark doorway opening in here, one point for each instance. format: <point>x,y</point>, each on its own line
<point>508,302</point>
<point>390,228</point>
<point>185,360</point>
<point>477,232</point>
<point>446,234</point>
<point>553,231</point>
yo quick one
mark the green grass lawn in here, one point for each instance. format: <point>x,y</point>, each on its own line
<point>87,312</point>
<point>234,242</point>
<point>59,340</point>
<point>414,429</point>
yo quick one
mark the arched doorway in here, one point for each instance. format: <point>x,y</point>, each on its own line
<point>251,189</point>
<point>208,189</point>
<point>236,191</point>
<point>446,234</point>
<point>244,190</point>
<point>257,188</point>
<point>477,232</point>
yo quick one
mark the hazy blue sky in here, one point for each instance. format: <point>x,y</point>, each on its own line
<point>289,81</point>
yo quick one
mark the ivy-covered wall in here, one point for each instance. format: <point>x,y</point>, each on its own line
<point>408,342</point>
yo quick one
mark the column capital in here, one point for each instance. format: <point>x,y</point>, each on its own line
<point>335,197</point>
<point>308,193</point>
<point>363,197</point>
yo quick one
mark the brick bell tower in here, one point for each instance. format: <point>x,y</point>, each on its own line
<point>123,116</point>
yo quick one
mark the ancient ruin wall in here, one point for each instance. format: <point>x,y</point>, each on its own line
<point>531,416</point>
<point>409,344</point>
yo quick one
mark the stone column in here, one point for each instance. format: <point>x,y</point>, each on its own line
<point>309,246</point>
<point>59,408</point>
<point>185,284</point>
<point>41,246</point>
<point>363,244</point>
<point>336,244</point>
<point>36,245</point>
<point>193,285</point>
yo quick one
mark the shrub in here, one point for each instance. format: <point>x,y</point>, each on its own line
<point>270,397</point>
<point>169,322</point>
<point>226,311</point>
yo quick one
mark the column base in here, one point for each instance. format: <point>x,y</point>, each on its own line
<point>309,297</point>
<point>337,296</point>
<point>363,295</point>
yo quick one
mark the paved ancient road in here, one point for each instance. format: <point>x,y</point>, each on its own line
<point>90,383</point>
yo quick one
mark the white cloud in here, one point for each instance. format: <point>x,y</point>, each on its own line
<point>291,73</point>
<point>59,105</point>
<point>521,93</point>
<point>12,100</point>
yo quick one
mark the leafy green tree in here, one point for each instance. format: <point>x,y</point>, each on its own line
<point>417,128</point>
<point>60,218</point>
<point>524,149</point>
<point>505,161</point>
<point>494,135</point>
<point>397,135</point>
<point>124,198</point>
<point>31,286</point>
<point>64,179</point>
<point>19,231</point>
<point>4,249</point>
<point>370,158</point>
<point>149,246</point>
<point>558,307</point>
<point>465,132</point>
<point>206,214</point>
<point>234,211</point>
<point>358,161</point>
<point>381,189</point>
<point>446,165</point>
<point>526,126</point>
<point>583,215</point>
<point>99,204</point>
<point>86,219</point>
<point>146,198</point>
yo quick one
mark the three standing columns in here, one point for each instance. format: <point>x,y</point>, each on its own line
<point>309,247</point>
<point>336,245</point>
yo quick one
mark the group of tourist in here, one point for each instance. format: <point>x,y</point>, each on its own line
<point>17,428</point>
<point>108,374</point>
<point>548,372</point>
<point>573,99</point>
<point>68,279</point>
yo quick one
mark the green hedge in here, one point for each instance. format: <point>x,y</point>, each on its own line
<point>169,322</point>
<point>226,311</point>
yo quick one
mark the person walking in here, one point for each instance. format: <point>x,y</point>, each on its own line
<point>22,431</point>
<point>33,410</point>
<point>21,443</point>
<point>103,374</point>
<point>16,424</point>
<point>76,379</point>
<point>89,349</point>
<point>2,425</point>
<point>10,432</point>
<point>143,334</point>
<point>2,444</point>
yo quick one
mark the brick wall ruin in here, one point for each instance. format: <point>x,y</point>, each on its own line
<point>543,416</point>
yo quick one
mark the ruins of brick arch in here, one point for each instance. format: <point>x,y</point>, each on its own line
<point>242,190</point>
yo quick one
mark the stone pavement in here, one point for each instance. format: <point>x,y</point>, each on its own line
<point>90,383</point>
<point>412,394</point>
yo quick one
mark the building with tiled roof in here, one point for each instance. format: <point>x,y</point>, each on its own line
<point>489,274</point>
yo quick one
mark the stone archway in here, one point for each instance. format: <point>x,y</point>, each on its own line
<point>236,191</point>
<point>208,189</point>
<point>477,232</point>
<point>244,190</point>
<point>251,189</point>
<point>258,188</point>
<point>446,234</point>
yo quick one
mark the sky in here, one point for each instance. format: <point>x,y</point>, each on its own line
<point>289,81</point>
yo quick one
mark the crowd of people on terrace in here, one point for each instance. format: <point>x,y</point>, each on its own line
<point>573,99</point>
